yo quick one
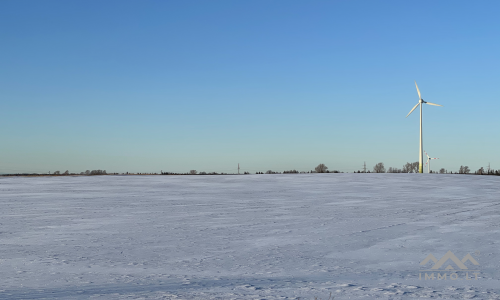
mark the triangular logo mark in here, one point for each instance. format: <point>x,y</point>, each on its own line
<point>450,255</point>
<point>468,257</point>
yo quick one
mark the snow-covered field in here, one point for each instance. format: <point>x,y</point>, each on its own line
<point>358,236</point>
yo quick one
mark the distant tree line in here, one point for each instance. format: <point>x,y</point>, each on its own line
<point>321,168</point>
<point>193,172</point>
<point>88,173</point>
<point>413,168</point>
<point>95,172</point>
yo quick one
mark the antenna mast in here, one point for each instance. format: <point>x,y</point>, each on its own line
<point>238,168</point>
<point>364,167</point>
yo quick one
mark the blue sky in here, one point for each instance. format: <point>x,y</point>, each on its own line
<point>144,86</point>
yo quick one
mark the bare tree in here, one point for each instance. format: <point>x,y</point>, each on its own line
<point>66,173</point>
<point>394,170</point>
<point>410,167</point>
<point>269,172</point>
<point>96,172</point>
<point>321,168</point>
<point>415,167</point>
<point>193,172</point>
<point>464,170</point>
<point>442,171</point>
<point>379,168</point>
<point>57,173</point>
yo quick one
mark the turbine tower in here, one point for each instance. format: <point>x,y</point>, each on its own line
<point>428,163</point>
<point>420,154</point>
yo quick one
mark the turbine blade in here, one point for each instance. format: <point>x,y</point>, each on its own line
<point>433,104</point>
<point>412,109</point>
<point>419,97</point>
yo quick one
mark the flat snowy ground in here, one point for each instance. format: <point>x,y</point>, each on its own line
<point>358,236</point>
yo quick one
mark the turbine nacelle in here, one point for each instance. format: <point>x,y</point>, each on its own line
<point>428,163</point>
<point>420,101</point>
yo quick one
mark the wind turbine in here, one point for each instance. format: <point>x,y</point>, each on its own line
<point>428,163</point>
<point>420,101</point>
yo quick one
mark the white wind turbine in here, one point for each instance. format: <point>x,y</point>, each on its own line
<point>420,154</point>
<point>428,163</point>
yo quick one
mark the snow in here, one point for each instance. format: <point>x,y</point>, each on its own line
<point>357,236</point>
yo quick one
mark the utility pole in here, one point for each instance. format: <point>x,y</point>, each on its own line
<point>238,168</point>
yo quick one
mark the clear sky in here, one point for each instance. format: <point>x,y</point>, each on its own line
<point>144,86</point>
